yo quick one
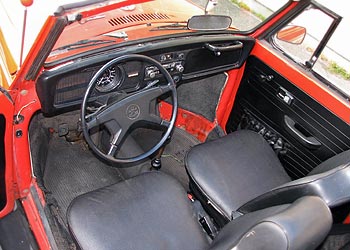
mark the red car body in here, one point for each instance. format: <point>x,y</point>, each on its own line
<point>21,185</point>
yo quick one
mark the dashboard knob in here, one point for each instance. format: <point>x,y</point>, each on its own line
<point>176,78</point>
<point>179,68</point>
<point>150,73</point>
<point>181,56</point>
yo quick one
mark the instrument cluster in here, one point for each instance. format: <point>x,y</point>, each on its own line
<point>110,79</point>
<point>125,76</point>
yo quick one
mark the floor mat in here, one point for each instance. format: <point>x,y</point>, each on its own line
<point>338,238</point>
<point>202,96</point>
<point>336,242</point>
<point>71,170</point>
<point>174,154</point>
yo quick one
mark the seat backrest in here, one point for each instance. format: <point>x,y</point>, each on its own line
<point>303,224</point>
<point>332,186</point>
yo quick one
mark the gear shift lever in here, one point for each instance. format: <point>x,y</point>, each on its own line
<point>156,163</point>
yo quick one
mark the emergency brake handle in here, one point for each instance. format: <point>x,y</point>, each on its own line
<point>301,134</point>
<point>218,49</point>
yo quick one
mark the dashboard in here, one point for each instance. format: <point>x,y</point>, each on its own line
<point>63,86</point>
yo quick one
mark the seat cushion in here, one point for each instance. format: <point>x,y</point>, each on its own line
<point>149,211</point>
<point>288,226</point>
<point>331,163</point>
<point>234,169</point>
<point>332,186</point>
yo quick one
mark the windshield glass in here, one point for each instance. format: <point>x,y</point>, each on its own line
<point>155,18</point>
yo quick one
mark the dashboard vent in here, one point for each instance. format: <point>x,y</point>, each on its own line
<point>71,88</point>
<point>137,18</point>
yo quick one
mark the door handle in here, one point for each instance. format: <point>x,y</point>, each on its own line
<point>307,140</point>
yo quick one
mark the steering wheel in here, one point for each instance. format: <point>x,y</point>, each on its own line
<point>120,115</point>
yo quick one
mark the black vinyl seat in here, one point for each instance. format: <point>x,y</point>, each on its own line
<point>149,211</point>
<point>152,211</point>
<point>240,172</point>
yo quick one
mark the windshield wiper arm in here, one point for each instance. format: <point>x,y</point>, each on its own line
<point>173,26</point>
<point>83,43</point>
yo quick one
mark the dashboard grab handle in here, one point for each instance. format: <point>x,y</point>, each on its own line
<point>238,45</point>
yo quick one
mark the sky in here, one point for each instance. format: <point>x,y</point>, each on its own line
<point>11,21</point>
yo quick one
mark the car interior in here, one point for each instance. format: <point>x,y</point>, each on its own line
<point>150,147</point>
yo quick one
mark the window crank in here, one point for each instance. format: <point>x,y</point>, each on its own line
<point>285,96</point>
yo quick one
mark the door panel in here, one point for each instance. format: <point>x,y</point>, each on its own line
<point>302,131</point>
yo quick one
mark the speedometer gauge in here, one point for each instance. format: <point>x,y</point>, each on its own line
<point>110,79</point>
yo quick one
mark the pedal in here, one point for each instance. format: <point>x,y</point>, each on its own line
<point>63,129</point>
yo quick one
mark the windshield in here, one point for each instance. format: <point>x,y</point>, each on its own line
<point>154,19</point>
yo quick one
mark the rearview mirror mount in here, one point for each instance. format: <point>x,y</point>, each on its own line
<point>211,4</point>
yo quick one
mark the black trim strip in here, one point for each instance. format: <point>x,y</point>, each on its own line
<point>3,198</point>
<point>336,20</point>
<point>44,220</point>
<point>70,6</point>
<point>46,49</point>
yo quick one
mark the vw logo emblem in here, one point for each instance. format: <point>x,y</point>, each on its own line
<point>133,111</point>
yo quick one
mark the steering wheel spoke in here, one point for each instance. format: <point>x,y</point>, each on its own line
<point>91,123</point>
<point>157,120</point>
<point>146,96</point>
<point>115,143</point>
<point>165,123</point>
<point>101,117</point>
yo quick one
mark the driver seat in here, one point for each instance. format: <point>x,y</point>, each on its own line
<point>152,211</point>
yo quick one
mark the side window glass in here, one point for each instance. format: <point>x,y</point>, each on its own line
<point>305,35</point>
<point>334,63</point>
<point>300,38</point>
